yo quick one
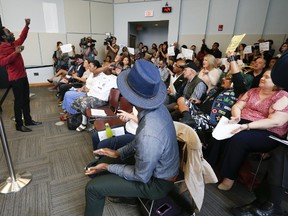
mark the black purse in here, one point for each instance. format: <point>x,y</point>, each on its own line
<point>73,121</point>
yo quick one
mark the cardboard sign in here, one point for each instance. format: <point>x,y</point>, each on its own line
<point>234,43</point>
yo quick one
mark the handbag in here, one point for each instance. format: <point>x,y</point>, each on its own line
<point>73,121</point>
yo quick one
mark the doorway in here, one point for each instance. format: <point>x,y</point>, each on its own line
<point>147,32</point>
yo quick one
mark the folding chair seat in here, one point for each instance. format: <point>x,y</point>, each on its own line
<point>110,109</point>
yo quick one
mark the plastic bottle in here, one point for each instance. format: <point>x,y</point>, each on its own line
<point>109,133</point>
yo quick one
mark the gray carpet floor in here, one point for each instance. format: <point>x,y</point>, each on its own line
<point>56,156</point>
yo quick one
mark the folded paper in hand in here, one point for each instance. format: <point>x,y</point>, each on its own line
<point>66,48</point>
<point>98,112</point>
<point>118,131</point>
<point>223,129</point>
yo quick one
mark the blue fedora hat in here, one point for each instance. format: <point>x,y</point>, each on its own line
<point>142,85</point>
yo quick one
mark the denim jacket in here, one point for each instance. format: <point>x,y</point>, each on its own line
<point>155,148</point>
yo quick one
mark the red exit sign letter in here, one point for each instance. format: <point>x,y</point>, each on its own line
<point>166,9</point>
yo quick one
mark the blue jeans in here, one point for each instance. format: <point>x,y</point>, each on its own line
<point>112,143</point>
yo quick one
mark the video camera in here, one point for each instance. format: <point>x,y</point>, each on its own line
<point>87,42</point>
<point>108,39</point>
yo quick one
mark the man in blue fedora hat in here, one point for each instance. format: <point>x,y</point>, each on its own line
<point>147,166</point>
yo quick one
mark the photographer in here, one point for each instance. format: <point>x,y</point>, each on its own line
<point>111,47</point>
<point>88,48</point>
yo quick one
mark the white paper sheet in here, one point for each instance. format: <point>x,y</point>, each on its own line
<point>247,49</point>
<point>223,129</point>
<point>131,50</point>
<point>264,46</point>
<point>171,51</point>
<point>98,112</point>
<point>66,48</point>
<point>118,131</point>
<point>187,53</point>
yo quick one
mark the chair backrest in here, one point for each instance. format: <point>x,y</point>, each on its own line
<point>113,100</point>
<point>125,105</point>
<point>196,170</point>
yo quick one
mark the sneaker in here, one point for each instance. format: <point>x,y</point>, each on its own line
<point>32,94</point>
<point>124,200</point>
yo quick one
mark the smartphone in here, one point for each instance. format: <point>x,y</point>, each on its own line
<point>163,209</point>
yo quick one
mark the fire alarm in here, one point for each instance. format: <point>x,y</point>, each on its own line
<point>220,27</point>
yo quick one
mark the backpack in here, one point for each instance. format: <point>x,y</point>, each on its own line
<point>73,121</point>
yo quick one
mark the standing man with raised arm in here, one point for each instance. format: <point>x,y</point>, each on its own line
<point>10,56</point>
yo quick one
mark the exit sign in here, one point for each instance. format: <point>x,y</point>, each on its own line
<point>149,13</point>
<point>166,9</point>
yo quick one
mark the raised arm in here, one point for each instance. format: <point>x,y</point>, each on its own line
<point>23,34</point>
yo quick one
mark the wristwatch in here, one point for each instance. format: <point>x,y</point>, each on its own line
<point>231,58</point>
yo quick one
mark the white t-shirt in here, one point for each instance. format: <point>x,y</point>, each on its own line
<point>102,84</point>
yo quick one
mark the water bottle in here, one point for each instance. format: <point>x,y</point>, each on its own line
<point>109,133</point>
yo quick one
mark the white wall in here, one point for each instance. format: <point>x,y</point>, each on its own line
<point>152,35</point>
<point>132,12</point>
<point>257,18</point>
<point>13,13</point>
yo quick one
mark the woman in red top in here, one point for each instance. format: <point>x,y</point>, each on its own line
<point>261,112</point>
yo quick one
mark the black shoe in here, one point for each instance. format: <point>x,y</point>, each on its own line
<point>33,123</point>
<point>245,210</point>
<point>23,129</point>
<point>267,209</point>
<point>191,122</point>
<point>124,200</point>
<point>50,81</point>
<point>91,164</point>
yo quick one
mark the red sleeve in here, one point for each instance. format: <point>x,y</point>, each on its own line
<point>22,36</point>
<point>5,60</point>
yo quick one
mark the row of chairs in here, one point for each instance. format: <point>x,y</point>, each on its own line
<point>115,102</point>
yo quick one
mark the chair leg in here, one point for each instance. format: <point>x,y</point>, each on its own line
<point>149,211</point>
<point>256,172</point>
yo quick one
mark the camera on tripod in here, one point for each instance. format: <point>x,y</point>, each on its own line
<point>87,42</point>
<point>108,39</point>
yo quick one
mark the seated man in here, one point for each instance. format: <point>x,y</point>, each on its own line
<point>193,90</point>
<point>176,81</point>
<point>217,103</point>
<point>154,151</point>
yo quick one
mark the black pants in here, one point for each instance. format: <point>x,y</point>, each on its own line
<point>65,87</point>
<point>21,93</point>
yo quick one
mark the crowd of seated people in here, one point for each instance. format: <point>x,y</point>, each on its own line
<point>73,92</point>
<point>199,92</point>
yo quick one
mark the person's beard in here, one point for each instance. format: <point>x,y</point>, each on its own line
<point>11,38</point>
